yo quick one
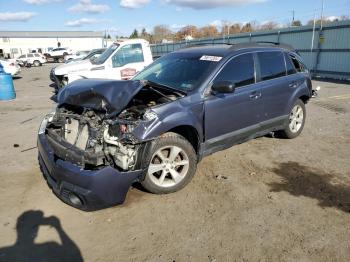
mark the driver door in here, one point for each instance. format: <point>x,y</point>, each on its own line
<point>231,118</point>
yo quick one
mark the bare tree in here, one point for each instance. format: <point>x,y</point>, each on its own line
<point>161,32</point>
<point>186,31</point>
<point>208,31</point>
<point>246,28</point>
<point>269,26</point>
<point>235,28</point>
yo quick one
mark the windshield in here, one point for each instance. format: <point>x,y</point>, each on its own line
<point>93,53</point>
<point>183,72</point>
<point>104,56</point>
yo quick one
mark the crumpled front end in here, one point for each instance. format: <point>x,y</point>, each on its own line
<point>80,177</point>
<point>91,152</point>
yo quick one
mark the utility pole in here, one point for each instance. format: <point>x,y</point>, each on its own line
<point>293,12</point>
<point>313,34</point>
<point>322,14</point>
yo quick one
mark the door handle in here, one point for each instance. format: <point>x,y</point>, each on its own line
<point>255,95</point>
<point>293,85</point>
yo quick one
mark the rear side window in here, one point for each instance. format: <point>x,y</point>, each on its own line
<point>289,64</point>
<point>271,65</point>
<point>240,71</point>
<point>30,55</point>
<point>37,55</point>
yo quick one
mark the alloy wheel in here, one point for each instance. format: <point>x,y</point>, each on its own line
<point>296,118</point>
<point>169,166</point>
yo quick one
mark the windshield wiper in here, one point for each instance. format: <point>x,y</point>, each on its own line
<point>150,83</point>
<point>178,92</point>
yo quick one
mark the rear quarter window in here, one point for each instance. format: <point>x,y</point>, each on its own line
<point>271,65</point>
<point>289,65</point>
<point>299,66</point>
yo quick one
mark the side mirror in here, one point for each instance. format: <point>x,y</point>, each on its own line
<point>223,87</point>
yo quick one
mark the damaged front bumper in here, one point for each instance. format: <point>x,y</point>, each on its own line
<point>84,189</point>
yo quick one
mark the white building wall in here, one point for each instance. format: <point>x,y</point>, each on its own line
<point>25,45</point>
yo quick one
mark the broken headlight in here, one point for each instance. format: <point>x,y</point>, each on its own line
<point>149,115</point>
<point>48,118</point>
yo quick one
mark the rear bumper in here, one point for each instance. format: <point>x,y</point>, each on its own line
<point>84,189</point>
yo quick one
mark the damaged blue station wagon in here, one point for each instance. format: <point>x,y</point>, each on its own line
<point>106,135</point>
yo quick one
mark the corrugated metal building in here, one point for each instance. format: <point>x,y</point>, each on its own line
<point>15,43</point>
<point>327,56</point>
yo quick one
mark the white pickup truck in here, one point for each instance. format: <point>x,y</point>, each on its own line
<point>121,61</point>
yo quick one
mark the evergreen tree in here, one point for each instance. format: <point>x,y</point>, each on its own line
<point>135,34</point>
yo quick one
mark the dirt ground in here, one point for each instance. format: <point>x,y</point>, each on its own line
<point>268,199</point>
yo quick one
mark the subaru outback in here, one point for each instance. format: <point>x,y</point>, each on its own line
<point>154,129</point>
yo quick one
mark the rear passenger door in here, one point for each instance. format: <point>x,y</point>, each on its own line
<point>276,87</point>
<point>232,117</point>
<point>30,58</point>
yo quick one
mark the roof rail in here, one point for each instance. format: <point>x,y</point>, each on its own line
<point>205,44</point>
<point>286,46</point>
<point>261,43</point>
<point>244,45</point>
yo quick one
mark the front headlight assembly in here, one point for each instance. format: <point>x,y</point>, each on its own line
<point>48,118</point>
<point>149,115</point>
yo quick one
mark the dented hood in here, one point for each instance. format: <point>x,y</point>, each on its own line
<point>110,96</point>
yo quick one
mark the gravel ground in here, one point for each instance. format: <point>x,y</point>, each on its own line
<point>268,199</point>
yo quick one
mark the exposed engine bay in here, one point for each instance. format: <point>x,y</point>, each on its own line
<point>91,139</point>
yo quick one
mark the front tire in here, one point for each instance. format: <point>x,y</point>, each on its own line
<point>296,120</point>
<point>171,162</point>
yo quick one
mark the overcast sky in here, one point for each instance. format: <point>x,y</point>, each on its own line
<point>120,17</point>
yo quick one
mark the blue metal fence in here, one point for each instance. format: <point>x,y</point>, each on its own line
<point>328,57</point>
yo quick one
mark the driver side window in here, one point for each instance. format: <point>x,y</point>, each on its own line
<point>128,54</point>
<point>240,71</point>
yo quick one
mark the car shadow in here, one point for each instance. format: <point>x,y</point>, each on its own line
<point>301,180</point>
<point>330,80</point>
<point>25,249</point>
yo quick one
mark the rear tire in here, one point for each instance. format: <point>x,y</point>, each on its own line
<point>36,63</point>
<point>171,163</point>
<point>296,121</point>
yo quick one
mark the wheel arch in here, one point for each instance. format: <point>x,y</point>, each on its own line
<point>304,98</point>
<point>190,133</point>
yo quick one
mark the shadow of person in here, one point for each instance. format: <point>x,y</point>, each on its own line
<point>329,190</point>
<point>26,250</point>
